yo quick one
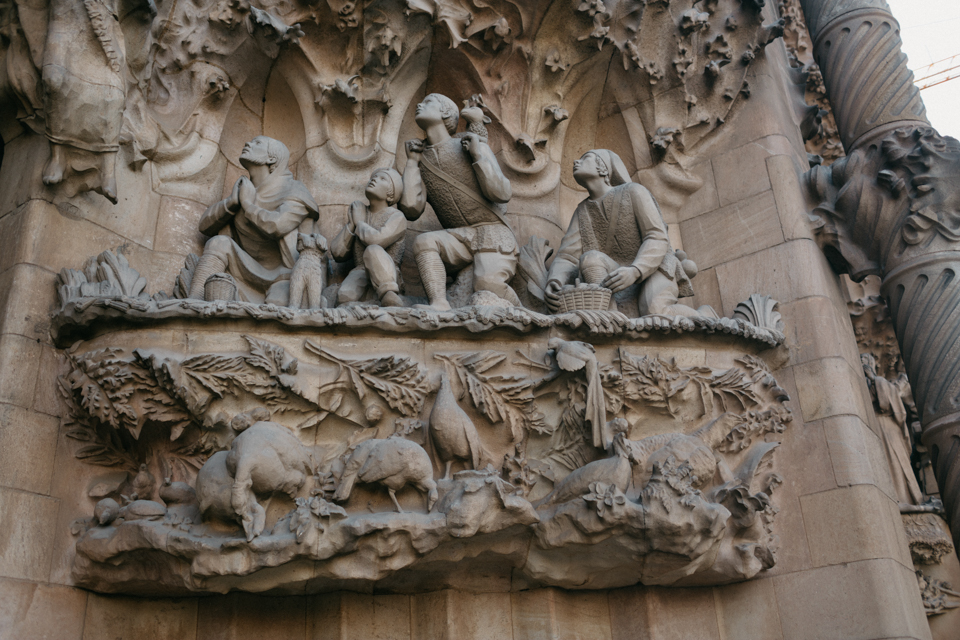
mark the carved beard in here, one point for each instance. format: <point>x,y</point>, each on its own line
<point>252,157</point>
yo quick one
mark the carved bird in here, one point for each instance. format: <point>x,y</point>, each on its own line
<point>574,356</point>
<point>476,121</point>
<point>453,433</point>
<point>143,484</point>
<point>394,463</point>
<point>177,493</point>
<point>616,470</point>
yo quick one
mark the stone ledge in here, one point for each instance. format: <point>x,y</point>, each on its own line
<point>77,318</point>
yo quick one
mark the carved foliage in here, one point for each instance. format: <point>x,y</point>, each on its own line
<point>500,398</point>
<point>214,403</point>
<point>398,380</point>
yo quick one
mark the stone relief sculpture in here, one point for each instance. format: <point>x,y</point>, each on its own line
<point>573,463</point>
<point>617,238</point>
<point>891,399</point>
<point>462,180</point>
<point>374,237</point>
<point>254,230</point>
<point>888,209</point>
<point>84,89</point>
<point>263,443</point>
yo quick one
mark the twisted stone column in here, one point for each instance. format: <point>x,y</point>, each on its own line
<point>892,208</point>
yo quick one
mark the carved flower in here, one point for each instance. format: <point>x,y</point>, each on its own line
<point>592,7</point>
<point>309,512</point>
<point>607,498</point>
<point>554,63</point>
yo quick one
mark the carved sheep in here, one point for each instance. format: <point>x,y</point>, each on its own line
<point>265,458</point>
<point>394,463</point>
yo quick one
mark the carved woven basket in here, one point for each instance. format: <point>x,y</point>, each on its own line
<point>220,286</point>
<point>584,297</point>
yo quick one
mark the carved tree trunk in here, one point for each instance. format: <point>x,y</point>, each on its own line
<point>891,208</point>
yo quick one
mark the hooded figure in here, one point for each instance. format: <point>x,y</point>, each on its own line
<point>256,226</point>
<point>617,238</point>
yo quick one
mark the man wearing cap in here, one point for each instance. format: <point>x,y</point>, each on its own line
<point>617,237</point>
<point>374,237</point>
<point>462,181</point>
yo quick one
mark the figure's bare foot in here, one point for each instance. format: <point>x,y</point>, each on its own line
<point>53,171</point>
<point>391,299</point>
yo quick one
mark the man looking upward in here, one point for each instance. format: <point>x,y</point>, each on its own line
<point>255,228</point>
<point>462,181</point>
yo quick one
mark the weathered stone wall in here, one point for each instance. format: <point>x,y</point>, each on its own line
<point>843,571</point>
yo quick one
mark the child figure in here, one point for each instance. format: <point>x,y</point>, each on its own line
<point>374,235</point>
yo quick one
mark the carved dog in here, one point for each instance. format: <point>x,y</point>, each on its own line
<point>307,280</point>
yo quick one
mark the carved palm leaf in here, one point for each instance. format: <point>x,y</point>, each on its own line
<point>500,398</point>
<point>400,381</point>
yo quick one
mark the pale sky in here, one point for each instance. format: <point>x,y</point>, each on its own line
<point>929,29</point>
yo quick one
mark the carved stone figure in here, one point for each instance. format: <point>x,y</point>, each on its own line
<point>394,463</point>
<point>452,431</point>
<point>84,64</point>
<point>374,237</point>
<point>615,471</point>
<point>462,181</point>
<point>254,230</point>
<point>309,274</point>
<point>265,458</point>
<point>891,398</point>
<point>616,238</point>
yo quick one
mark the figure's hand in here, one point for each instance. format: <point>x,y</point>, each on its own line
<point>247,194</point>
<point>366,233</point>
<point>471,144</point>
<point>354,216</point>
<point>414,150</point>
<point>552,294</point>
<point>621,278</point>
<point>233,200</point>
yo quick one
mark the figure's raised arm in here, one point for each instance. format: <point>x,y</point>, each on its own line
<point>655,243</point>
<point>493,183</point>
<point>393,230</point>
<point>219,215</point>
<point>413,201</point>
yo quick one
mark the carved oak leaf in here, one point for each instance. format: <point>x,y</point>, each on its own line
<point>400,381</point>
<point>499,398</point>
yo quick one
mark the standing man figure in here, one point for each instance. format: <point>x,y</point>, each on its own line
<point>462,181</point>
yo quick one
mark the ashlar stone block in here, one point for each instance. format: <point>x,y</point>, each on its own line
<point>135,618</point>
<point>28,444</point>
<point>29,525</point>
<point>853,523</point>
<point>854,601</point>
<point>42,611</point>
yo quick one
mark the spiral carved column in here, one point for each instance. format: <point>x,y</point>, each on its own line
<point>892,207</point>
